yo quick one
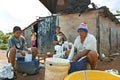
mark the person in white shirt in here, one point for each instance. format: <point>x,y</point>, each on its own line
<point>85,45</point>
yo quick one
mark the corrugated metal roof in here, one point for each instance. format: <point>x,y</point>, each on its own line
<point>66,6</point>
<point>104,11</point>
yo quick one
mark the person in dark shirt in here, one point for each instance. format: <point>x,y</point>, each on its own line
<point>58,37</point>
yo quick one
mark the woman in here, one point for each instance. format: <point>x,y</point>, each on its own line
<point>17,46</point>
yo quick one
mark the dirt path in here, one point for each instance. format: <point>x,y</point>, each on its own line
<point>102,65</point>
<point>3,58</point>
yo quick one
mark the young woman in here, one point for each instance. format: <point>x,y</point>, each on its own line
<point>17,46</point>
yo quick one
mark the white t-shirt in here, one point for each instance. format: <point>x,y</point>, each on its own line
<point>88,44</point>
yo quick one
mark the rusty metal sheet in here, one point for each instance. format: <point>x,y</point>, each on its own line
<point>46,29</point>
<point>66,6</point>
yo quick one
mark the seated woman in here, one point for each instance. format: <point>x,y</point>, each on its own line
<point>17,46</point>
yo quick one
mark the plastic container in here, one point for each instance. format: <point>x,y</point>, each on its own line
<point>27,67</point>
<point>92,75</point>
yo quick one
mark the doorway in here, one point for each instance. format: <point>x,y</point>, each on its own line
<point>35,27</point>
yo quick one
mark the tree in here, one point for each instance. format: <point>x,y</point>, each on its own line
<point>118,11</point>
<point>6,36</point>
<point>4,39</point>
<point>1,35</point>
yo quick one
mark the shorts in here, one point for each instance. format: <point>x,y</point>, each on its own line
<point>33,42</point>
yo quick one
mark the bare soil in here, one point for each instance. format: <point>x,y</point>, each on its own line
<point>106,64</point>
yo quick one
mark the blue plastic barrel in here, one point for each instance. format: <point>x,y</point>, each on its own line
<point>27,67</point>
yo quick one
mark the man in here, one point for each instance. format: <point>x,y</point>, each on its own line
<point>58,37</point>
<point>85,45</point>
<point>17,46</point>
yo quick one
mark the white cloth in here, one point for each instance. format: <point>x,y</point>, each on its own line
<point>88,44</point>
<point>6,71</point>
<point>71,53</point>
<point>59,51</point>
<point>28,57</point>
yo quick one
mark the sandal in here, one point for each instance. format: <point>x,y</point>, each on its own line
<point>15,76</point>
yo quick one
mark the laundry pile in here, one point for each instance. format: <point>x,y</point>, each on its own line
<point>6,71</point>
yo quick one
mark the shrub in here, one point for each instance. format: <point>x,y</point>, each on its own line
<point>3,46</point>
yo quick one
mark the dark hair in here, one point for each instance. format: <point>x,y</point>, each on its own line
<point>57,27</point>
<point>16,28</point>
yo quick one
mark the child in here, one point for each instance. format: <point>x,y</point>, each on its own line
<point>59,37</point>
<point>33,38</point>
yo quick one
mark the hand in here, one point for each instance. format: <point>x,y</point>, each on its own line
<point>23,54</point>
<point>74,58</point>
<point>19,51</point>
<point>67,53</point>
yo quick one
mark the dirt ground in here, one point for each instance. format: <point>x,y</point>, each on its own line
<point>39,76</point>
<point>112,63</point>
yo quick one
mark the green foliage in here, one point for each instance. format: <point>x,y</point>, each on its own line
<point>6,36</point>
<point>3,46</point>
<point>118,11</point>
<point>4,39</point>
<point>1,34</point>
